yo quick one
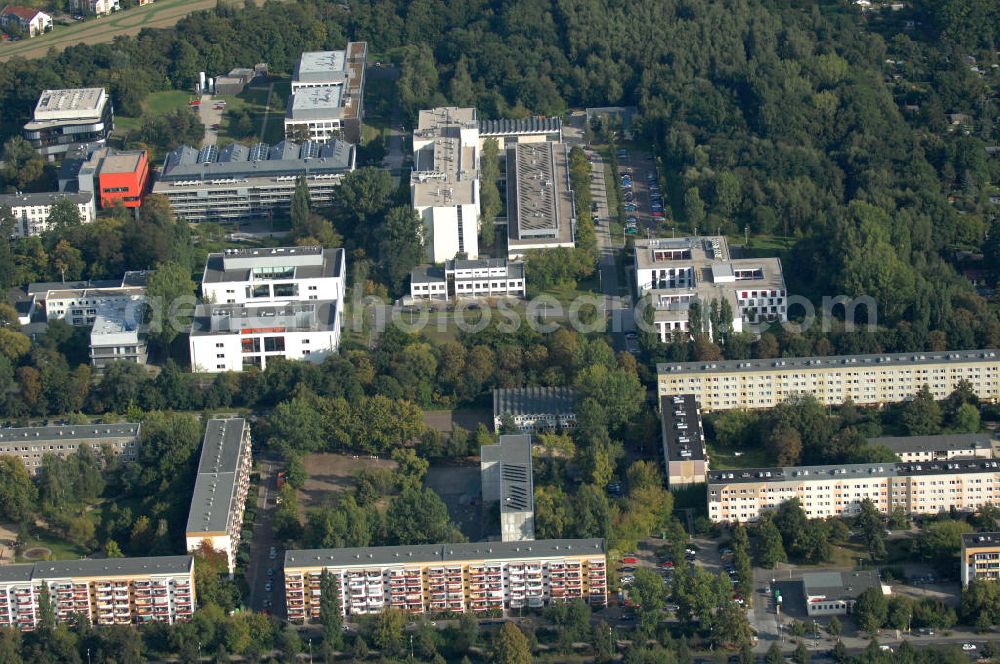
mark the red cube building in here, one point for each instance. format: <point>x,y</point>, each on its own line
<point>123,176</point>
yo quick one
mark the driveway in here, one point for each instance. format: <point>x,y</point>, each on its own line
<point>210,115</point>
<point>263,540</point>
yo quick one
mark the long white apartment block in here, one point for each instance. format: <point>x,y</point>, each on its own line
<point>444,185</point>
<point>865,379</point>
<point>78,302</point>
<point>676,272</point>
<point>274,275</point>
<point>838,490</point>
<point>220,488</point>
<point>31,444</point>
<point>448,578</point>
<point>107,591</point>
<point>31,211</point>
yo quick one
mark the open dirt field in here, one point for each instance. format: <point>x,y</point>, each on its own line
<point>160,14</point>
<point>333,473</point>
<point>459,487</point>
<point>445,420</point>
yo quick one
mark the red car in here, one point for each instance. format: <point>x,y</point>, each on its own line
<point>195,102</point>
<point>666,564</point>
<point>658,215</point>
<point>629,560</point>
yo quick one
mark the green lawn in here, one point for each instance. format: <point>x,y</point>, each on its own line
<point>156,103</point>
<point>726,459</point>
<point>254,100</point>
<point>61,549</point>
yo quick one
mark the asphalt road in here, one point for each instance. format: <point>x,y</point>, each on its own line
<point>263,539</point>
<point>210,116</point>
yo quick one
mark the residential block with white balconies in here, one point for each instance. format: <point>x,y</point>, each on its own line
<point>113,591</point>
<point>448,578</point>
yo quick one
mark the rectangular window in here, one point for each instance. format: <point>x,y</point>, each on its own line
<point>274,344</point>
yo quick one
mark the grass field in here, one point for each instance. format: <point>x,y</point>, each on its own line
<point>726,459</point>
<point>254,100</point>
<point>156,103</point>
<point>161,14</point>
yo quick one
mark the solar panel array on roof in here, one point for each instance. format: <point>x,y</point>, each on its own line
<point>259,152</point>
<point>516,485</point>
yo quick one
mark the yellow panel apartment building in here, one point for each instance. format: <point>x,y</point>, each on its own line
<point>980,557</point>
<point>438,578</point>
<point>838,490</point>
<point>865,379</point>
<point>114,591</point>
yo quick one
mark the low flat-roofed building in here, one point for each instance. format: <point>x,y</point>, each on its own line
<point>511,131</point>
<point>327,99</point>
<point>838,490</point>
<point>106,591</point>
<point>77,302</point>
<point>444,184</point>
<point>31,444</point>
<point>943,447</point>
<point>835,593</point>
<point>507,478</point>
<point>240,182</point>
<point>439,578</point>
<point>116,336</point>
<point>220,488</point>
<point>676,272</point>
<point>274,275</point>
<point>486,277</point>
<point>234,337</point>
<point>69,119</point>
<point>535,408</point>
<point>541,212</point>
<point>980,557</point>
<point>864,379</point>
<point>684,454</point>
<point>31,211</point>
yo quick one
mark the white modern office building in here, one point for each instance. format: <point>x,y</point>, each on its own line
<point>66,120</point>
<point>327,95</point>
<point>116,335</point>
<point>220,488</point>
<point>77,302</point>
<point>31,211</point>
<point>444,185</point>
<point>278,275</point>
<point>236,337</point>
<point>486,277</point>
<point>677,272</point>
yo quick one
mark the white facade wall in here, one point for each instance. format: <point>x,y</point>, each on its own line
<point>441,224</point>
<point>253,291</point>
<point>33,219</point>
<point>213,353</point>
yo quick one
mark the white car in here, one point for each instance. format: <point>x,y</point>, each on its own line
<point>968,647</point>
<point>627,579</point>
<point>267,587</point>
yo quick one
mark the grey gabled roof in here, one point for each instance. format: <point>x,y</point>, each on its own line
<point>681,444</point>
<point>444,553</point>
<point>16,573</point>
<point>839,585</point>
<point>285,159</point>
<point>94,432</point>
<point>831,362</point>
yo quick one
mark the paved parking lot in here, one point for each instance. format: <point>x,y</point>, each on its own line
<point>639,165</point>
<point>210,111</point>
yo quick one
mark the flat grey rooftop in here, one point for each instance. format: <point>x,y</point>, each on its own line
<point>20,573</point>
<point>132,279</point>
<point>321,67</point>
<point>319,103</point>
<point>443,553</point>
<point>313,315</point>
<point>973,540</point>
<point>44,198</point>
<point>215,484</point>
<point>63,569</point>
<point>839,585</point>
<point>237,265</point>
<point>57,103</point>
<point>76,432</point>
<point>540,206</point>
<point>683,438</point>
<point>941,443</point>
<point>785,364</point>
<point>533,400</point>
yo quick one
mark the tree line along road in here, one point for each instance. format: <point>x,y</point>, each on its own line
<point>160,14</point>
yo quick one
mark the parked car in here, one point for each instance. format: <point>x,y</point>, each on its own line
<point>627,570</point>
<point>968,647</point>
